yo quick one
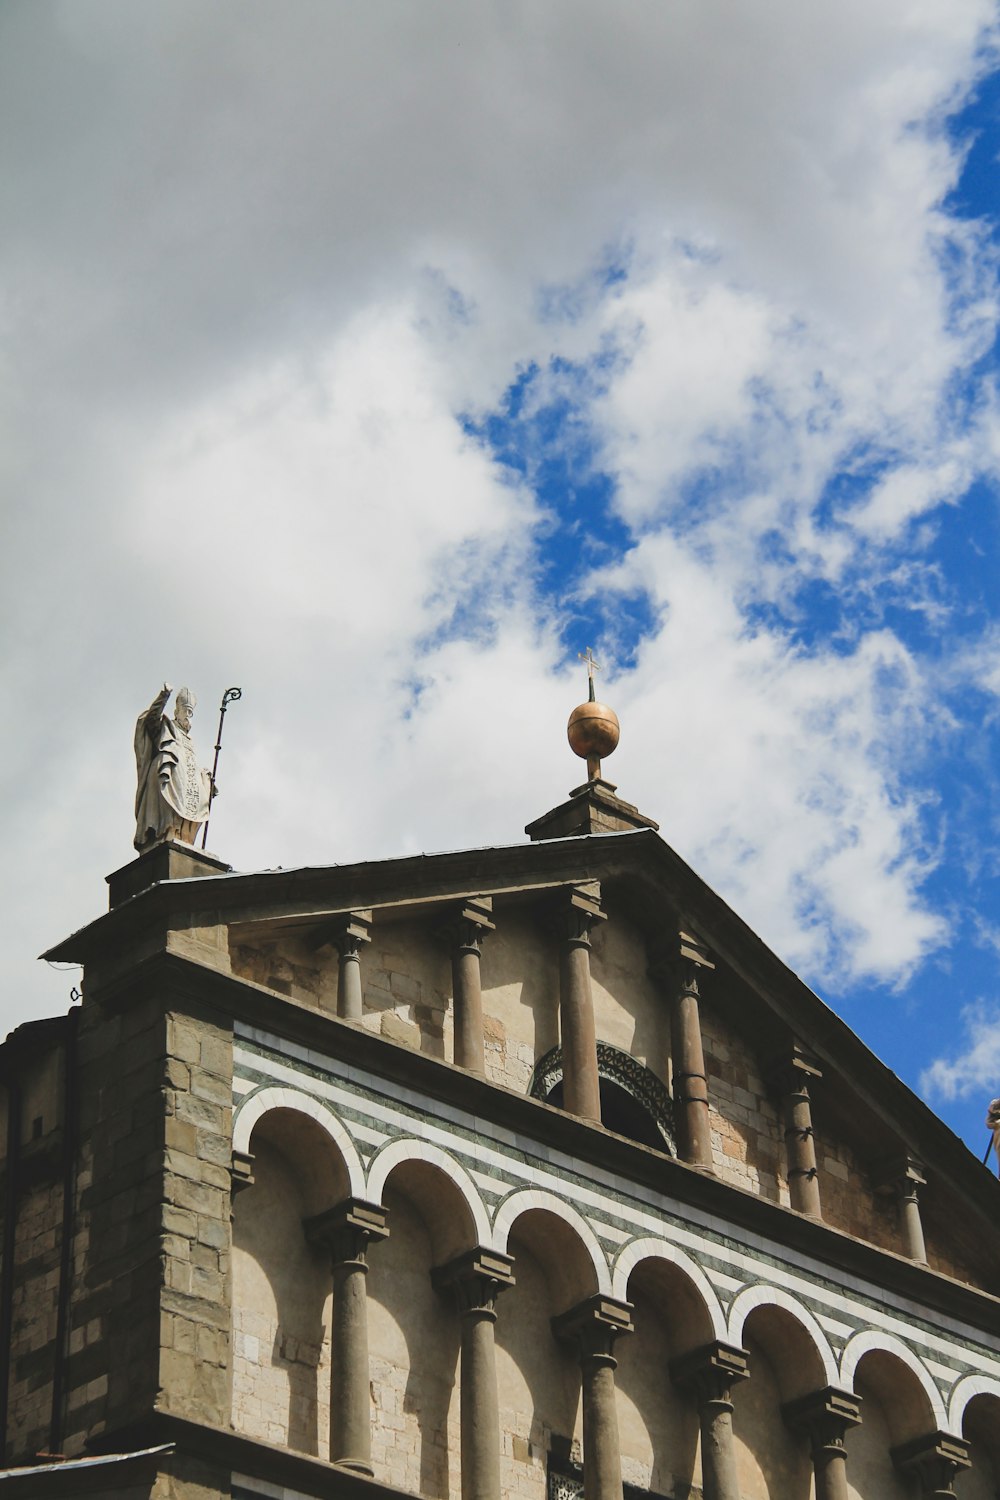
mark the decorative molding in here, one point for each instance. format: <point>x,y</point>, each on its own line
<point>617,1067</point>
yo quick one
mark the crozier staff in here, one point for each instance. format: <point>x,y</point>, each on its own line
<point>173,792</point>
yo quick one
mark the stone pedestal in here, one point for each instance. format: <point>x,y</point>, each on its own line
<point>591,1329</point>
<point>591,808</point>
<point>476,1279</point>
<point>464,933</point>
<point>709,1374</point>
<point>826,1417</point>
<point>346,1231</point>
<point>170,860</point>
<point>791,1076</point>
<point>576,912</point>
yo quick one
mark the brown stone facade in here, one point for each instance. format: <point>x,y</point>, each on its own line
<point>260,1218</point>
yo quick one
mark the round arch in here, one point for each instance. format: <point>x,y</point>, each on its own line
<point>397,1153</point>
<point>871,1341</point>
<point>648,1100</point>
<point>763,1296</point>
<point>251,1110</point>
<point>523,1200</point>
<point>963,1392</point>
<point>652,1249</point>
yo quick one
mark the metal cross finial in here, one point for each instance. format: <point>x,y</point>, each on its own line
<point>592,667</point>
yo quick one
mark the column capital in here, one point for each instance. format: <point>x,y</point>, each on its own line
<point>592,1326</point>
<point>710,1372</point>
<point>476,1278</point>
<point>935,1458</point>
<point>346,932</point>
<point>346,1229</point>
<point>901,1174</point>
<point>465,924</point>
<point>825,1415</point>
<point>792,1070</point>
<point>677,958</point>
<point>574,910</point>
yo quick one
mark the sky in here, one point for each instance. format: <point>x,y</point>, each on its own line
<point>380,359</point>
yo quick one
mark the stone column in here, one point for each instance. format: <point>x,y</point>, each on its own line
<point>345,1231</point>
<point>476,1280</point>
<point>901,1178</point>
<point>676,966</point>
<point>709,1374</point>
<point>826,1416</point>
<point>936,1460</point>
<point>790,1076</point>
<point>577,910</point>
<point>347,933</point>
<point>590,1329</point>
<point>464,933</point>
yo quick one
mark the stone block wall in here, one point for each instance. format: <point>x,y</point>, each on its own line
<point>149,1314</point>
<point>38,1184</point>
<point>195,1217</point>
<point>37,1249</point>
<point>112,1372</point>
<point>747,1135</point>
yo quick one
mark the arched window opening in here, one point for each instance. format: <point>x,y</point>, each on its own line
<point>634,1102</point>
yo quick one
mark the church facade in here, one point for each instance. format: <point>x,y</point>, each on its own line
<point>526,1171</point>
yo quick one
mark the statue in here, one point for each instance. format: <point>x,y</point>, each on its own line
<point>174,793</point>
<point>993,1123</point>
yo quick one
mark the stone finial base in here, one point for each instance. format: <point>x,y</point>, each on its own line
<point>591,808</point>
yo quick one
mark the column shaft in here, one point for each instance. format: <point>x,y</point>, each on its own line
<point>350,1402</point>
<point>690,1085</point>
<point>591,1329</point>
<point>581,1085</point>
<point>345,1231</point>
<point>480,1413</point>
<point>676,965</point>
<point>791,1075</point>
<point>347,933</point>
<point>825,1417</point>
<point>830,1468</point>
<point>602,1464</point>
<point>463,932</point>
<point>718,1454</point>
<point>476,1279</point>
<point>470,1049</point>
<point>911,1226</point>
<point>709,1375</point>
<point>803,1177</point>
<point>350,1001</point>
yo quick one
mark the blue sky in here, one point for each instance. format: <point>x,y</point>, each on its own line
<point>381,359</point>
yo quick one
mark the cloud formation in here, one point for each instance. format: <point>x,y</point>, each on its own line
<point>273,270</point>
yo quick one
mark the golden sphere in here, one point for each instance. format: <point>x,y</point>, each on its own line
<point>593,730</point>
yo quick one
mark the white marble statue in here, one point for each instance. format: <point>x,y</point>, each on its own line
<point>173,792</point>
<point>993,1123</point>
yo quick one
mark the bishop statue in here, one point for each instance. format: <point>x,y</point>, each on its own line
<point>174,792</point>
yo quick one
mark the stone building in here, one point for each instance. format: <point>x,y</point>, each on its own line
<point>525,1171</point>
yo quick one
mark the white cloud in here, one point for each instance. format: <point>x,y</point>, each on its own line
<point>977,1069</point>
<point>261,260</point>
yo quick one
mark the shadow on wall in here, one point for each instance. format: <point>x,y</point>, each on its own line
<point>414,1333</point>
<point>659,1425</point>
<point>981,1428</point>
<point>282,1285</point>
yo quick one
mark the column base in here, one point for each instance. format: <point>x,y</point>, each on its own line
<point>356,1466</point>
